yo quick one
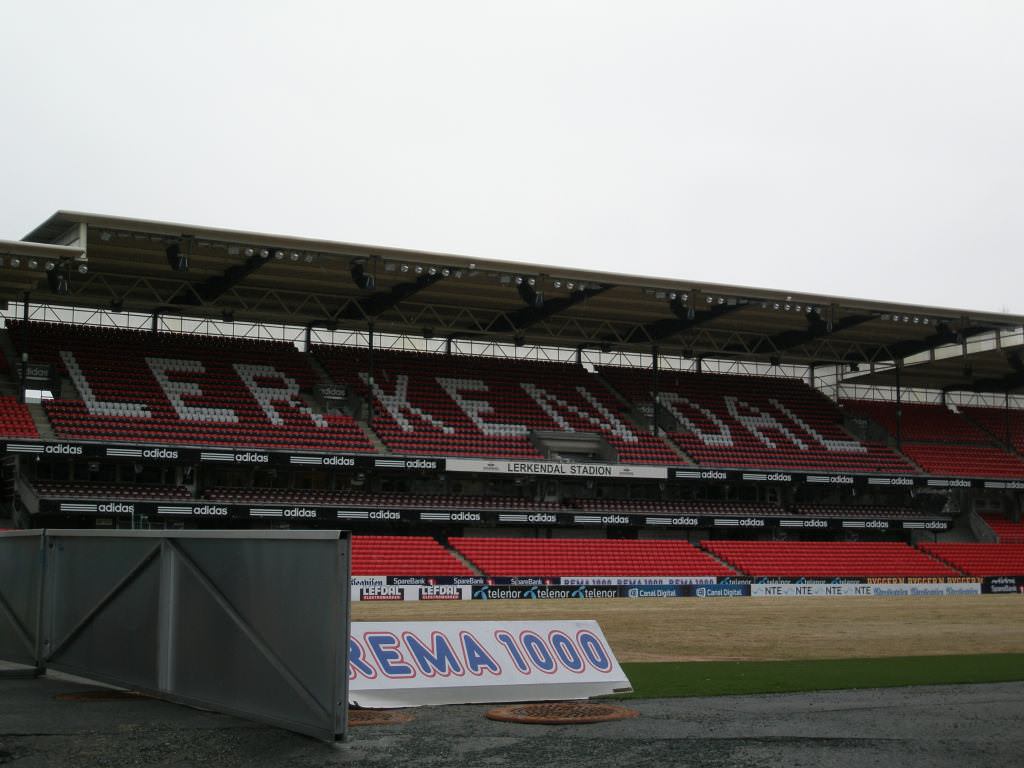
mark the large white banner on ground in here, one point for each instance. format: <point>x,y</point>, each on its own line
<point>566,469</point>
<point>415,663</point>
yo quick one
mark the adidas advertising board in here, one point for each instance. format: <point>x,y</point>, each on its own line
<point>417,663</point>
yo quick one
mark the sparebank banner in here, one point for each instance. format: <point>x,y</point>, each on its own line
<point>415,663</point>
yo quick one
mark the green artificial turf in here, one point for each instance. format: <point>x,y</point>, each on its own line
<point>721,678</point>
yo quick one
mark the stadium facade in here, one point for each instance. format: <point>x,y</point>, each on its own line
<point>508,426</point>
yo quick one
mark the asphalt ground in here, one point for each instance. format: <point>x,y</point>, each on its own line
<point>962,726</point>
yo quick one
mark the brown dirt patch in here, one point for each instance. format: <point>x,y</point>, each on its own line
<point>757,629</point>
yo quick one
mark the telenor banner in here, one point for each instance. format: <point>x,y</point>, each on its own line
<point>416,663</point>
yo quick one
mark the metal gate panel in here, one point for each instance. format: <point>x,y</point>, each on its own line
<point>21,574</point>
<point>253,623</point>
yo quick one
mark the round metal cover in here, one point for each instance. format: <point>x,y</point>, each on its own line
<point>561,713</point>
<point>377,717</point>
<point>103,694</point>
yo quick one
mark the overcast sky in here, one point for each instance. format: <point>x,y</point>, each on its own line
<point>873,149</point>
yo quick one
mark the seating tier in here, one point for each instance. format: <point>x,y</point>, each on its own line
<point>825,559</point>
<point>186,389</point>
<point>403,556</point>
<point>587,557</point>
<point>941,441</point>
<point>754,422</point>
<point>1008,531</point>
<point>981,560</point>
<point>15,419</point>
<point>486,407</point>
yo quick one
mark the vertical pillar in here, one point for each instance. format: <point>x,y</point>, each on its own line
<point>309,337</point>
<point>369,329</point>
<point>899,408</point>
<point>1006,411</point>
<point>448,346</point>
<point>24,348</point>
<point>654,389</point>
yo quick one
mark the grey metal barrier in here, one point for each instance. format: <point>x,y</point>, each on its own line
<point>250,623</point>
<point>21,584</point>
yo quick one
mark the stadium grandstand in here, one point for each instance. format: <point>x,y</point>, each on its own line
<point>477,422</point>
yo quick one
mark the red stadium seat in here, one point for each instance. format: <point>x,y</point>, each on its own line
<point>486,407</point>
<point>186,389</point>
<point>794,559</point>
<point>755,422</point>
<point>587,557</point>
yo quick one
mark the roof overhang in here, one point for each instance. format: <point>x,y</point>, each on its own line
<point>307,281</point>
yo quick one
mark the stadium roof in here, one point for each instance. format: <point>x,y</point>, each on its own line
<point>129,264</point>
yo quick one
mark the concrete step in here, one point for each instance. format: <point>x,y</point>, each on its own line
<point>684,458</point>
<point>323,378</point>
<point>461,558</point>
<point>378,444</point>
<point>720,561</point>
<point>43,426</point>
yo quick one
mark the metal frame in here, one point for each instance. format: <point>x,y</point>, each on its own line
<point>21,596</point>
<point>222,620</point>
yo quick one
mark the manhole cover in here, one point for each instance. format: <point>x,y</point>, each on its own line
<point>561,713</point>
<point>377,717</point>
<point>105,694</point>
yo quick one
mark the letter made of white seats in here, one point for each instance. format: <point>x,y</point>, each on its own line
<point>547,401</point>
<point>668,401</point>
<point>838,446</point>
<point>475,409</point>
<point>92,404</point>
<point>758,424</point>
<point>266,395</point>
<point>176,391</point>
<point>398,401</point>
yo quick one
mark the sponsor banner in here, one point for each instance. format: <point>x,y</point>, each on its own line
<point>372,515</point>
<point>636,580</point>
<point>1003,585</point>
<point>297,513</point>
<point>257,457</point>
<point>915,590</point>
<point>166,510</point>
<point>543,592</point>
<point>649,591</point>
<point>865,590</point>
<point>691,473</point>
<point>810,590</point>
<point>425,581</point>
<point>408,593</point>
<point>719,590</point>
<point>400,463</point>
<point>533,518</point>
<point>416,663</point>
<point>565,469</point>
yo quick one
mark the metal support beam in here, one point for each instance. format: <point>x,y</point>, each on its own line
<point>216,286</point>
<point>523,318</point>
<point>382,301</point>
<point>372,380</point>
<point>686,317</point>
<point>24,347</point>
<point>654,389</point>
<point>899,407</point>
